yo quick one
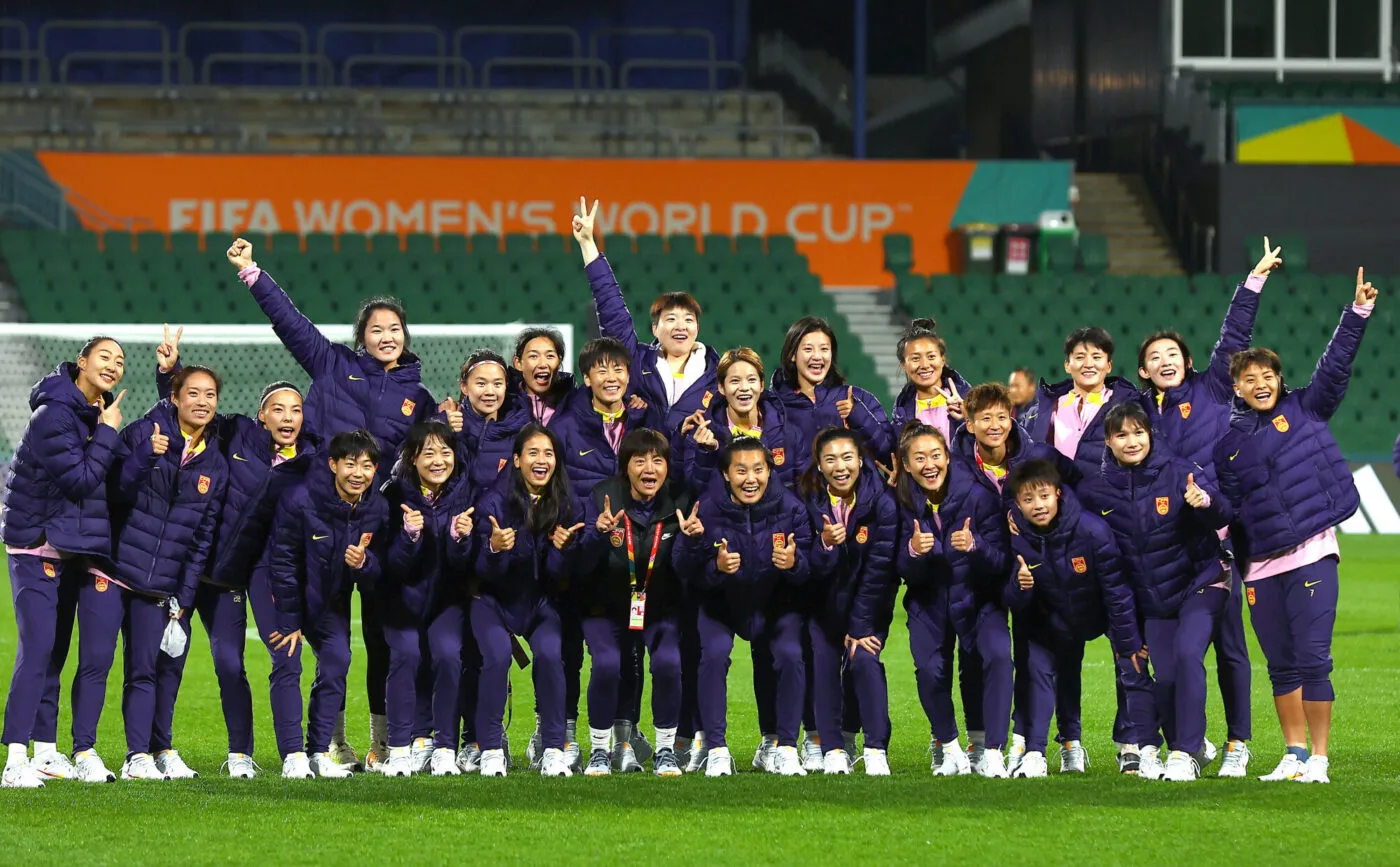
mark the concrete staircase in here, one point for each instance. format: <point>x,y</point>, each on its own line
<point>869,314</point>
<point>1120,207</point>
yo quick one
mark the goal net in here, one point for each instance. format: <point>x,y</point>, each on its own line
<point>248,357</point>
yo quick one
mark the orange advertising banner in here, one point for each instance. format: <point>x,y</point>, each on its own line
<point>837,210</point>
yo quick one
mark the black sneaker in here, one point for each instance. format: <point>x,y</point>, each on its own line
<point>599,764</point>
<point>1129,763</point>
<point>664,763</point>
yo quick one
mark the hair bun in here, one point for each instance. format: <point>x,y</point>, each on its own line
<point>925,323</point>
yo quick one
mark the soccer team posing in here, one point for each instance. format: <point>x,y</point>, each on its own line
<point>665,502</point>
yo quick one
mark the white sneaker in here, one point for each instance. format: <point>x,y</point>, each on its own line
<point>297,767</point>
<point>376,759</point>
<point>400,765</point>
<point>469,758</point>
<point>493,763</point>
<point>241,767</point>
<point>1014,753</point>
<point>718,762</point>
<point>174,767</point>
<point>444,763</point>
<point>54,766</point>
<point>1150,765</point>
<point>344,754</point>
<point>90,769</point>
<point>631,763</point>
<point>787,763</point>
<point>992,765</point>
<point>1236,761</point>
<point>599,764</point>
<point>699,752</point>
<point>763,756</point>
<point>421,755</point>
<point>142,767</point>
<point>955,762</point>
<point>1316,770</point>
<point>553,764</point>
<point>1289,768</point>
<point>1181,768</point>
<point>574,756</point>
<point>1073,758</point>
<point>534,750</point>
<point>836,762</point>
<point>326,767</point>
<point>812,758</point>
<point>877,764</point>
<point>1032,766</point>
<point>19,775</point>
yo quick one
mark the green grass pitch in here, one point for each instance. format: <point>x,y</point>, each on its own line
<point>752,818</point>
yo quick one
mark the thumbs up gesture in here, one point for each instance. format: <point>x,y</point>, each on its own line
<point>1024,578</point>
<point>691,525</point>
<point>845,406</point>
<point>608,519</point>
<point>501,540</point>
<point>240,254</point>
<point>564,535</point>
<point>922,542</point>
<point>1195,497</point>
<point>160,443</point>
<point>832,534</point>
<point>453,412</point>
<point>785,552</point>
<point>726,561</point>
<point>355,556</point>
<point>412,520</point>
<point>462,524</point>
<point>962,539</point>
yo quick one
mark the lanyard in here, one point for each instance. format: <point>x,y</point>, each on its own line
<point>632,557</point>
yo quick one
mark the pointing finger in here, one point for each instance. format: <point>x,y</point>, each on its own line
<point>118,400</point>
<point>1267,246</point>
<point>607,504</point>
<point>575,528</point>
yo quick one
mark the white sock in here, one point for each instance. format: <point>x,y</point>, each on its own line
<point>19,754</point>
<point>665,738</point>
<point>338,733</point>
<point>977,739</point>
<point>400,752</point>
<point>599,738</point>
<point>378,730</point>
<point>44,750</point>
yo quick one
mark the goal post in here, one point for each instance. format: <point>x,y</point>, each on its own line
<point>247,357</point>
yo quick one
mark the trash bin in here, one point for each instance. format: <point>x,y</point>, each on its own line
<point>979,247</point>
<point>1018,247</point>
<point>1055,225</point>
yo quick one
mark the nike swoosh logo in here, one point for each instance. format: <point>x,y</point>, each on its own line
<point>1312,583</point>
<point>316,538</point>
<point>665,536</point>
<point>1235,455</point>
<point>238,457</point>
<point>1107,513</point>
<point>646,373</point>
<point>1035,567</point>
<point>717,544</point>
<point>587,453</point>
<point>357,379</point>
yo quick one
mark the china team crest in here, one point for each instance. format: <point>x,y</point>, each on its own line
<point>779,456</point>
<point>705,401</point>
<point>1281,424</point>
<point>779,540</point>
<point>1185,409</point>
<point>50,571</point>
<point>407,408</point>
<point>100,585</point>
<point>616,537</point>
<point>204,482</point>
<point>1164,505</point>
<point>1249,595</point>
<point>1079,565</point>
<point>862,535</point>
<point>500,465</point>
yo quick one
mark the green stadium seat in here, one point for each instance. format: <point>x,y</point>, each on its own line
<point>188,244</point>
<point>899,253</point>
<point>718,246</point>
<point>782,247</point>
<point>324,244</point>
<point>682,245</point>
<point>283,243</point>
<point>1060,253</point>
<point>519,244</point>
<point>150,243</point>
<point>483,244</point>
<point>749,246</point>
<point>419,244</point>
<point>1093,253</point>
<point>651,246</point>
<point>383,245</point>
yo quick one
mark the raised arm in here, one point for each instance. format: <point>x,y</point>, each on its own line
<point>614,319</point>
<point>312,349</point>
<point>1237,331</point>
<point>1322,396</point>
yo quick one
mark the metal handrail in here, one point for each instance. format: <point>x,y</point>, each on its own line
<point>164,58</point>
<point>95,24</point>
<point>713,66</point>
<point>238,26</point>
<point>26,56</point>
<point>16,24</point>
<point>576,63</point>
<point>524,30</point>
<point>306,61</point>
<point>442,62</point>
<point>683,32</point>
<point>419,29</point>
